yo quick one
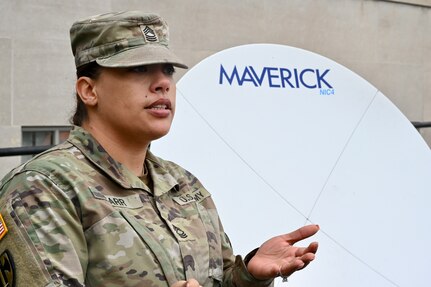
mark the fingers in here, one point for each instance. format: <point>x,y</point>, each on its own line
<point>291,267</point>
<point>298,263</point>
<point>179,284</point>
<point>193,283</point>
<point>312,248</point>
<point>303,257</point>
<point>301,233</point>
<point>278,257</point>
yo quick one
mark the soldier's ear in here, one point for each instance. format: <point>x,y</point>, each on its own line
<point>85,88</point>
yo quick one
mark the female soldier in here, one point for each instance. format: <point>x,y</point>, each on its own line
<point>101,209</point>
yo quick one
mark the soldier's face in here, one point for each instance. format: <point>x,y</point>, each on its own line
<point>136,103</point>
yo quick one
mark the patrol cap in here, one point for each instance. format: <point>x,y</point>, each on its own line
<point>123,39</point>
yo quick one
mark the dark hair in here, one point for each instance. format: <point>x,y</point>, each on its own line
<point>91,70</point>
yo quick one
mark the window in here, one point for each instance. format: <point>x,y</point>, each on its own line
<point>43,136</point>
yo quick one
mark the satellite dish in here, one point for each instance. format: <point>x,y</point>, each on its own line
<point>283,137</point>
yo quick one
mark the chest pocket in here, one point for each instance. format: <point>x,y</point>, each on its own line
<point>166,262</point>
<point>157,248</point>
<point>198,233</point>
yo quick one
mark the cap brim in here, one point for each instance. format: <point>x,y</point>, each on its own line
<point>142,55</point>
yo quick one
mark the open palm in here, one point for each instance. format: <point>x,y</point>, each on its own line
<point>278,256</point>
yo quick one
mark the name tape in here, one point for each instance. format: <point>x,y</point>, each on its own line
<point>197,195</point>
<point>132,201</point>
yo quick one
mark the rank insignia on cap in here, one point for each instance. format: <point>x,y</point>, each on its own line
<point>7,270</point>
<point>3,228</point>
<point>149,34</point>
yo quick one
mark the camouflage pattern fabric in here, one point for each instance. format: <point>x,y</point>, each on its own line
<point>122,39</point>
<point>79,218</point>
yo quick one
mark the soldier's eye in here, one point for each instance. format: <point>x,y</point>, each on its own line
<point>169,69</point>
<point>139,69</point>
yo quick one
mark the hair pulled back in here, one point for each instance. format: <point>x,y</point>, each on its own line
<point>91,70</point>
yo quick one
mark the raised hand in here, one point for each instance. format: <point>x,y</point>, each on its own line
<point>278,256</point>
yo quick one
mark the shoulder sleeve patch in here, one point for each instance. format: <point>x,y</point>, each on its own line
<point>7,269</point>
<point>19,257</point>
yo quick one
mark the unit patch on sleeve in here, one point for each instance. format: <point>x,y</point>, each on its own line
<point>3,228</point>
<point>7,270</point>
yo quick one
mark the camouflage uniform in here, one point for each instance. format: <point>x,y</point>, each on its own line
<point>76,217</point>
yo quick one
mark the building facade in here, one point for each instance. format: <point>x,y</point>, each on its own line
<point>386,42</point>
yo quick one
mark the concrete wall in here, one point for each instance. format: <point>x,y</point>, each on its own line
<point>386,42</point>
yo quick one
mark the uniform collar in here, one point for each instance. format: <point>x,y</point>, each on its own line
<point>163,181</point>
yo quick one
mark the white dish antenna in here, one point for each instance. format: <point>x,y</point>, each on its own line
<point>283,137</point>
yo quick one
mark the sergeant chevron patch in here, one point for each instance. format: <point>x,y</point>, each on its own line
<point>149,34</point>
